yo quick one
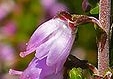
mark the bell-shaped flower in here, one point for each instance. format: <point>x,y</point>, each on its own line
<point>53,39</point>
<point>52,42</point>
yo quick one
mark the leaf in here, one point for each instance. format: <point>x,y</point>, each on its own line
<point>76,73</point>
<point>95,10</point>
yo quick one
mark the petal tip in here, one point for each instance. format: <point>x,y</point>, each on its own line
<point>14,72</point>
<point>22,54</point>
<point>10,71</point>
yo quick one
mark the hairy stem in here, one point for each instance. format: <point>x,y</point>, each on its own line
<point>104,18</point>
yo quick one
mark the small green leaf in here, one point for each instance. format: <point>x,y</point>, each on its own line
<point>95,10</point>
<point>76,73</point>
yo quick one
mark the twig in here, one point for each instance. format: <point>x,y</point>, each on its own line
<point>104,18</point>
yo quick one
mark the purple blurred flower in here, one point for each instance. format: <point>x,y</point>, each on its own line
<point>5,8</point>
<point>52,42</point>
<point>6,54</point>
<point>47,3</point>
<point>52,7</point>
<point>9,28</point>
<point>56,8</point>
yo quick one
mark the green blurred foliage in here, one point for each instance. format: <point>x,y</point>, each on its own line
<point>75,6</point>
<point>76,73</point>
<point>28,18</point>
<point>95,10</point>
<point>93,3</point>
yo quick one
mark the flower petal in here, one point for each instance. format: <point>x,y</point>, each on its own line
<point>31,72</point>
<point>41,35</point>
<point>14,72</point>
<point>46,70</point>
<point>61,48</point>
<point>38,69</point>
<point>44,48</point>
<point>59,66</point>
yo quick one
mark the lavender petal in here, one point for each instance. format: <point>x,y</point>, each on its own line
<point>40,36</point>
<point>43,49</point>
<point>60,49</point>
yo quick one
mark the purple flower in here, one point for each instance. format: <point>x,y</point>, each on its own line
<point>52,42</point>
<point>9,29</point>
<point>6,54</point>
<point>52,7</point>
<point>56,8</point>
<point>5,8</point>
<point>47,3</point>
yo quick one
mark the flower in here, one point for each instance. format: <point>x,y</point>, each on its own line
<point>5,8</point>
<point>6,54</point>
<point>52,42</point>
<point>9,29</point>
<point>47,3</point>
<point>52,7</point>
<point>55,8</point>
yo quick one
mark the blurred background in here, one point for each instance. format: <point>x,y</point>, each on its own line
<point>20,18</point>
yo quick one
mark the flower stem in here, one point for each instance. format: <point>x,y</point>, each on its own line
<point>104,18</point>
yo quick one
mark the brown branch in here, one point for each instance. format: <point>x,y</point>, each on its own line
<point>104,18</point>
